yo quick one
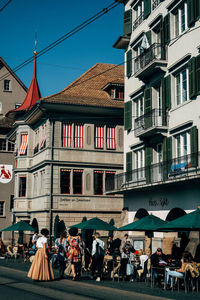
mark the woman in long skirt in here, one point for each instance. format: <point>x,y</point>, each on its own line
<point>41,268</point>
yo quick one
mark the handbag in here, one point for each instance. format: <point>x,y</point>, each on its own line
<point>129,269</point>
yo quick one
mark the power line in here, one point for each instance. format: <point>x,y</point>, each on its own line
<point>4,6</point>
<point>64,37</point>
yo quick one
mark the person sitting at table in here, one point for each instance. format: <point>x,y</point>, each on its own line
<point>127,254</point>
<point>177,273</point>
<point>110,246</point>
<point>141,270</point>
<point>158,263</point>
<point>2,247</point>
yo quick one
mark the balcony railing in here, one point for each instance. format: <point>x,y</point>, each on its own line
<point>152,119</point>
<point>181,168</point>
<point>138,21</point>
<point>155,3</point>
<point>154,52</point>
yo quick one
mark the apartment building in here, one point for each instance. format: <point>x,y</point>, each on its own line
<point>67,146</point>
<point>12,92</point>
<point>162,119</point>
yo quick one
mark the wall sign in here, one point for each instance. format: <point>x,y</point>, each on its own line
<point>6,173</point>
<point>159,202</point>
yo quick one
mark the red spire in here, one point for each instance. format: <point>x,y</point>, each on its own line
<point>33,93</point>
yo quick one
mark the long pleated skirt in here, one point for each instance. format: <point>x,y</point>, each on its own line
<point>41,268</point>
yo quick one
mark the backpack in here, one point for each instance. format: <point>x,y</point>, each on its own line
<point>99,251</point>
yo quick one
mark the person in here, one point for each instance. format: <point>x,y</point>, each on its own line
<point>141,271</point>
<point>35,237</point>
<point>126,257</point>
<point>197,254</point>
<point>97,256</point>
<point>2,247</point>
<point>74,252</point>
<point>126,242</point>
<point>110,246</point>
<point>41,268</point>
<point>158,263</point>
<point>61,245</point>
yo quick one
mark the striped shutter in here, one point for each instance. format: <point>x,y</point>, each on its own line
<point>192,77</point>
<point>128,115</point>
<point>198,74</point>
<point>99,137</point>
<point>148,161</point>
<point>194,146</point>
<point>67,135</point>
<point>129,63</point>
<point>111,138</point>
<point>79,136</point>
<point>24,143</point>
<point>127,26</point>
<point>147,8</point>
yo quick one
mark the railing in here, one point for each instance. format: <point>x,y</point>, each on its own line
<point>138,21</point>
<point>154,118</point>
<point>155,51</point>
<point>155,3</point>
<point>180,168</point>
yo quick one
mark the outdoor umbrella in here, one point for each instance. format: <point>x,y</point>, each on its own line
<point>95,224</point>
<point>148,223</point>
<point>189,222</point>
<point>20,226</point>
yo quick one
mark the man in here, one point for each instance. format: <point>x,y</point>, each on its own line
<point>97,256</point>
<point>126,243</point>
<point>158,263</point>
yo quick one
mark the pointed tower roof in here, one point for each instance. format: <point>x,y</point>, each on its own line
<point>33,94</point>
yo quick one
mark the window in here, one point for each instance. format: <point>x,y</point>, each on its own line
<point>119,93</point>
<point>111,138</point>
<point>42,183</point>
<point>77,181</point>
<point>99,137</point>
<point>2,203</point>
<point>11,202</point>
<point>2,144</point>
<point>180,19</point>
<point>139,163</point>
<point>22,186</point>
<point>110,180</point>
<point>182,144</point>
<point>139,107</point>
<point>43,140</point>
<point>17,105</point>
<point>7,85</point>
<point>36,144</point>
<point>138,14</point>
<point>24,143</point>
<point>35,184</point>
<point>11,146</point>
<point>65,181</point>
<point>78,136</point>
<point>67,135</point>
<point>98,182</point>
<point>182,90</point>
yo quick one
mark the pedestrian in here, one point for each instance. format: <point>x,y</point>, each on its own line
<point>126,243</point>
<point>158,263</point>
<point>41,268</point>
<point>35,237</point>
<point>74,252</point>
<point>61,246</point>
<point>97,257</point>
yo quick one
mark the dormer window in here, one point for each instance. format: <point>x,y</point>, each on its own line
<point>119,93</point>
<point>115,90</point>
<point>7,85</point>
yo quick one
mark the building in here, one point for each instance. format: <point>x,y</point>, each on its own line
<point>67,146</point>
<point>162,119</point>
<point>12,91</point>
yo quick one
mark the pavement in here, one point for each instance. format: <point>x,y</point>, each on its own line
<point>15,285</point>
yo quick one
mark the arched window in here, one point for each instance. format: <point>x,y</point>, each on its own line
<point>141,213</point>
<point>35,224</point>
<point>175,213</point>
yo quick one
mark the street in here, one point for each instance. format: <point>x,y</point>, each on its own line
<point>15,285</point>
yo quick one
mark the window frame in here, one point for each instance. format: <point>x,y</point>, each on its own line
<point>2,208</point>
<point>68,190</point>
<point>182,148</point>
<point>7,85</point>
<point>179,89</point>
<point>98,182</point>
<point>78,185</point>
<point>20,187</point>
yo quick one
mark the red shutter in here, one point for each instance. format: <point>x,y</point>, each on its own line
<point>79,136</point>
<point>67,135</point>
<point>99,137</point>
<point>111,138</point>
<point>24,143</point>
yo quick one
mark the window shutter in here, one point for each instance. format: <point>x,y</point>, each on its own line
<point>197,9</point>
<point>148,161</point>
<point>168,91</point>
<point>194,146</point>
<point>129,63</point>
<point>198,74</point>
<point>148,35</point>
<point>127,26</point>
<point>167,28</point>
<point>192,77</point>
<point>167,156</point>
<point>129,166</point>
<point>191,11</point>
<point>147,8</point>
<point>128,115</point>
<point>147,107</point>
<point>163,52</point>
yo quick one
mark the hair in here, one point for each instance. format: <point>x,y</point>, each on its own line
<point>97,234</point>
<point>44,231</point>
<point>126,235</point>
<point>140,252</point>
<point>73,231</point>
<point>159,250</point>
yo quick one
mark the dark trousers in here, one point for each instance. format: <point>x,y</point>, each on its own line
<point>97,265</point>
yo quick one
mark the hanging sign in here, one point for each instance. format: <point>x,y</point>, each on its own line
<point>6,173</point>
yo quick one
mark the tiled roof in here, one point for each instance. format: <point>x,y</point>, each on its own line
<point>88,88</point>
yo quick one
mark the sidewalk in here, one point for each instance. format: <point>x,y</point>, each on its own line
<point>124,287</point>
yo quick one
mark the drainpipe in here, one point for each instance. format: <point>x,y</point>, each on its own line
<point>51,182</point>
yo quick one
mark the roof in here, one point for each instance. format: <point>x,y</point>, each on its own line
<point>88,88</point>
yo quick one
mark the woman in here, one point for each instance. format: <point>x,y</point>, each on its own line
<point>61,245</point>
<point>41,269</point>
<point>74,254</point>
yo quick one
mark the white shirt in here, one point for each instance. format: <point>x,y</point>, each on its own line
<point>143,258</point>
<point>35,238</point>
<point>41,240</point>
<point>101,244</point>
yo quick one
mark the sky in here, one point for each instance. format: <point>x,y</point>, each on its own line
<point>51,19</point>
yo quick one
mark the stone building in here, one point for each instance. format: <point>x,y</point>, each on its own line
<point>12,91</point>
<point>162,120</point>
<point>67,146</point>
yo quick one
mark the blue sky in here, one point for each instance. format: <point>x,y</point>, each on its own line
<point>51,19</point>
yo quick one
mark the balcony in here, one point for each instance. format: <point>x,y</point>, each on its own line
<point>152,58</point>
<point>138,21</point>
<point>155,121</point>
<point>176,170</point>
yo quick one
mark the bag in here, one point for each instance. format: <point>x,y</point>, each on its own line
<point>129,269</point>
<point>68,270</point>
<point>99,251</point>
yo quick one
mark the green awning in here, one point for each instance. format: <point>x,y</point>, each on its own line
<point>20,226</point>
<point>95,224</point>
